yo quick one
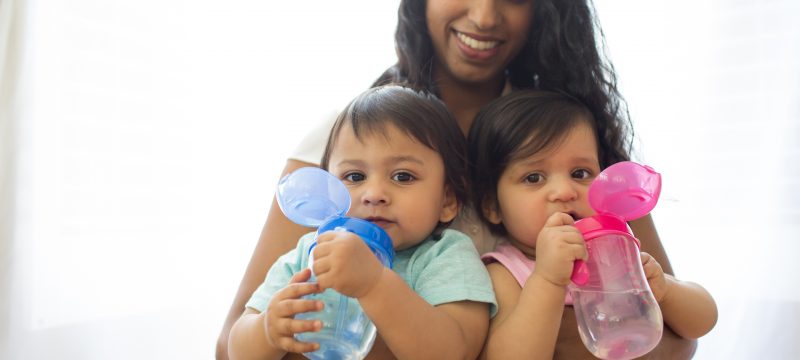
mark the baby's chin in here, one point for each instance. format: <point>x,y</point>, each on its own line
<point>528,246</point>
<point>404,241</point>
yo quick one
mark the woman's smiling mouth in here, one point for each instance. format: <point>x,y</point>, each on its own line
<point>476,48</point>
<point>475,44</point>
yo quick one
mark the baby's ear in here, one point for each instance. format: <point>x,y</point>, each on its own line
<point>491,211</point>
<point>450,206</point>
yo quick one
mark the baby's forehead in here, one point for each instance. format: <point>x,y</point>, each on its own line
<point>376,142</point>
<point>386,132</point>
<point>578,138</point>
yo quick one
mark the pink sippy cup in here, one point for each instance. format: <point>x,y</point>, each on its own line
<point>618,317</point>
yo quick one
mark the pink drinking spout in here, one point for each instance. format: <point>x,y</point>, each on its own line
<point>622,192</point>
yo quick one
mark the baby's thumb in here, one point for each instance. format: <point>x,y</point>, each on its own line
<point>559,219</point>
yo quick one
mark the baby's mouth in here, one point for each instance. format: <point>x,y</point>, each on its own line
<point>574,215</point>
<point>377,220</point>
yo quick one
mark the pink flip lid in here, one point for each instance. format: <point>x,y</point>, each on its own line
<point>625,189</point>
<point>622,192</point>
<point>600,224</point>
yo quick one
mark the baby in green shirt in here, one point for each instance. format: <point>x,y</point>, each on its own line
<point>400,155</point>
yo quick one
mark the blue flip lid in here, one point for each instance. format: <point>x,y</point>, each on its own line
<point>313,197</point>
<point>309,196</point>
<point>376,238</point>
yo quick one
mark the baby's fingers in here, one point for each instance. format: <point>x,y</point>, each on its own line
<point>574,246</point>
<point>296,291</point>
<point>300,276</point>
<point>559,219</point>
<point>283,328</point>
<point>579,251</point>
<point>288,302</point>
<point>651,267</point>
<point>289,308</point>
<point>291,345</point>
<point>293,326</point>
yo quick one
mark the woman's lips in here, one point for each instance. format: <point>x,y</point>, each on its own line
<point>475,48</point>
<point>476,43</point>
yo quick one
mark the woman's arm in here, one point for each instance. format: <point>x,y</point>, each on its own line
<point>278,236</point>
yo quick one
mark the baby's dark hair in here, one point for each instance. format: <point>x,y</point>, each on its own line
<point>514,127</point>
<point>419,114</point>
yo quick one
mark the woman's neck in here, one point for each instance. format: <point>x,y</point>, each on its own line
<point>465,99</point>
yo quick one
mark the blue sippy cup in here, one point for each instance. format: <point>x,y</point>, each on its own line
<point>313,197</point>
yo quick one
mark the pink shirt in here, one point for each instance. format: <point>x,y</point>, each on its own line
<point>516,262</point>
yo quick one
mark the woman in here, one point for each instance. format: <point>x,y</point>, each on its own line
<point>469,52</point>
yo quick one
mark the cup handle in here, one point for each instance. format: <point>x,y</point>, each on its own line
<point>580,273</point>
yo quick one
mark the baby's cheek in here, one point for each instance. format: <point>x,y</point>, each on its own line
<point>524,229</point>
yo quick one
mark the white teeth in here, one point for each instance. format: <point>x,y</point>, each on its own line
<point>477,44</point>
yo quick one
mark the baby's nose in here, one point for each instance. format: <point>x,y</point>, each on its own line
<point>374,194</point>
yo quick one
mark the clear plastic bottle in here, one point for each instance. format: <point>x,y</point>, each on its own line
<point>313,197</point>
<point>347,332</point>
<point>618,317</point>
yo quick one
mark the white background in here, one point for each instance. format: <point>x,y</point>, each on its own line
<point>148,136</point>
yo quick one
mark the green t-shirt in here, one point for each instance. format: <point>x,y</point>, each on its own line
<point>440,271</point>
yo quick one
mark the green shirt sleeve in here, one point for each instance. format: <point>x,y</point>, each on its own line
<point>279,274</point>
<point>447,270</point>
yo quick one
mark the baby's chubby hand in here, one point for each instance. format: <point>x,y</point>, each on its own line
<point>558,245</point>
<point>343,262</point>
<point>658,281</point>
<point>279,319</point>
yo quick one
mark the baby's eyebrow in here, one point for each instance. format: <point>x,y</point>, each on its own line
<point>392,160</point>
<point>537,162</point>
<point>404,158</point>
<point>531,162</point>
<point>352,162</point>
<point>585,159</point>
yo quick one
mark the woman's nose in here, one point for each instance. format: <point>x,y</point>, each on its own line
<point>484,14</point>
<point>374,193</point>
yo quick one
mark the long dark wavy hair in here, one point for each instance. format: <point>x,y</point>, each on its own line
<point>564,53</point>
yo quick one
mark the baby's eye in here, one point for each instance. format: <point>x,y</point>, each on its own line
<point>354,177</point>
<point>534,178</point>
<point>581,174</point>
<point>403,177</point>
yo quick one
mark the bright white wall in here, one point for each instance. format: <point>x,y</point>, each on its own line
<point>152,132</point>
<point>713,88</point>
